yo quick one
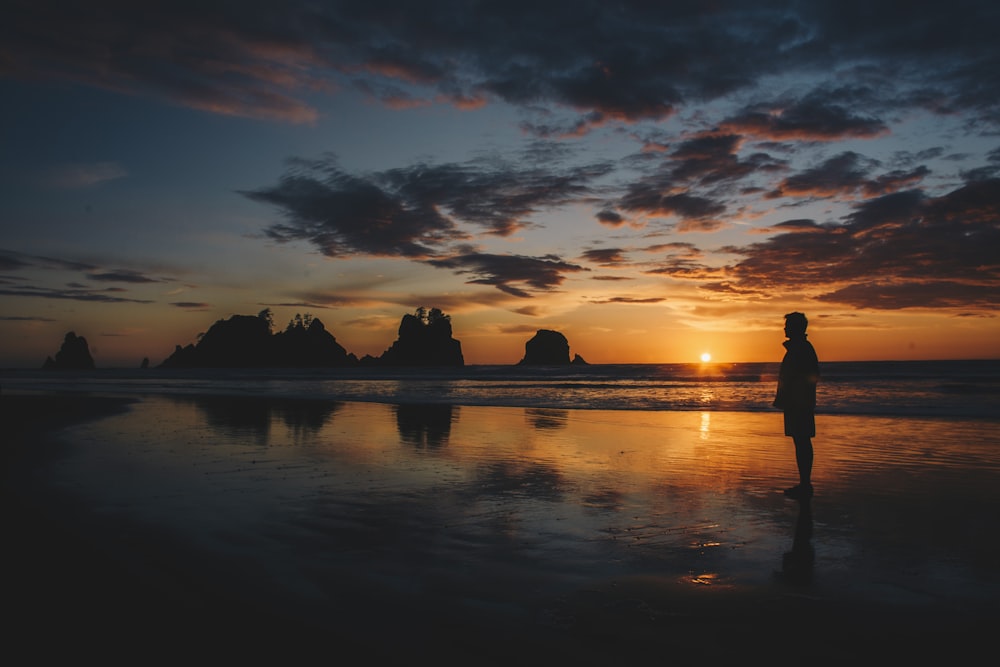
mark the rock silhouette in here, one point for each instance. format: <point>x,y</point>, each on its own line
<point>548,348</point>
<point>424,340</point>
<point>73,355</point>
<point>307,343</point>
<point>246,341</point>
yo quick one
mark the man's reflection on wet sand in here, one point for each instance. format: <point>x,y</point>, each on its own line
<point>797,564</point>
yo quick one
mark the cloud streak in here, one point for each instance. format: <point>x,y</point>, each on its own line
<point>106,295</point>
<point>514,274</point>
<point>38,265</point>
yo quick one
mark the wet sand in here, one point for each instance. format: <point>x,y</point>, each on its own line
<point>212,526</point>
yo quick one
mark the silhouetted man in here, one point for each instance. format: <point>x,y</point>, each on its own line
<point>796,396</point>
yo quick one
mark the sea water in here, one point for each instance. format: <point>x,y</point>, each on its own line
<point>966,389</point>
<point>409,482</point>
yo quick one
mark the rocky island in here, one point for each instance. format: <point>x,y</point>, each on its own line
<point>425,339</point>
<point>73,355</point>
<point>249,341</point>
<point>548,348</point>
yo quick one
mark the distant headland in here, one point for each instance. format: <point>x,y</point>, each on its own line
<point>250,341</point>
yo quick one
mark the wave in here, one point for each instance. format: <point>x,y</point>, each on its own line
<point>938,388</point>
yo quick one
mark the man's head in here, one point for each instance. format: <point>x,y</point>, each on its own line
<point>795,324</point>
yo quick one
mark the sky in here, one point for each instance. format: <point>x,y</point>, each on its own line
<point>654,180</point>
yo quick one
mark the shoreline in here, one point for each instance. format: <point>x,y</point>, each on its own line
<point>93,563</point>
<point>952,389</point>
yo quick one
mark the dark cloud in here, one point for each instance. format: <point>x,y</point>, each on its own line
<point>842,174</point>
<point>847,174</point>
<point>810,119</point>
<point>191,305</point>
<point>650,199</point>
<point>74,291</point>
<point>121,276</point>
<point>894,181</point>
<point>681,260</point>
<point>628,299</point>
<point>606,61</point>
<point>685,268</point>
<point>13,261</point>
<point>342,214</point>
<point>15,318</point>
<point>987,171</point>
<point>319,304</point>
<point>923,294</point>
<point>606,257</point>
<point>886,251</point>
<point>529,311</point>
<point>980,173</point>
<point>610,218</point>
<point>694,180</point>
<point>513,274</point>
<point>414,211</point>
<point>215,56</point>
<point>711,159</point>
<point>106,295</point>
<point>802,225</point>
<point>701,225</point>
<point>678,247</point>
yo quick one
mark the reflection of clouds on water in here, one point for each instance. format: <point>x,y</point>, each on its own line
<point>425,426</point>
<point>546,418</point>
<point>253,416</point>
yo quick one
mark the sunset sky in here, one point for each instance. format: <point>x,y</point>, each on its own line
<point>654,180</point>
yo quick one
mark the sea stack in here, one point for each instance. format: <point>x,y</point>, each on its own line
<point>424,340</point>
<point>73,355</point>
<point>548,348</point>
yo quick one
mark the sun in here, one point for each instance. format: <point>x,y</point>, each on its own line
<point>705,357</point>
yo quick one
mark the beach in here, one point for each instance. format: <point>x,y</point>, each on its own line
<point>145,525</point>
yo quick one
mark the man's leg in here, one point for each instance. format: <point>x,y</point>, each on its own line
<point>804,459</point>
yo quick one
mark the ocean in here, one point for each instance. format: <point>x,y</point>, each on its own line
<point>594,507</point>
<point>959,389</point>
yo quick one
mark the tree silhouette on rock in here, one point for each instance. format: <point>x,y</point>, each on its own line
<point>246,341</point>
<point>424,340</point>
<point>306,343</point>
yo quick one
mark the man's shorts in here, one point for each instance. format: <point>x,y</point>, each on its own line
<point>800,423</point>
